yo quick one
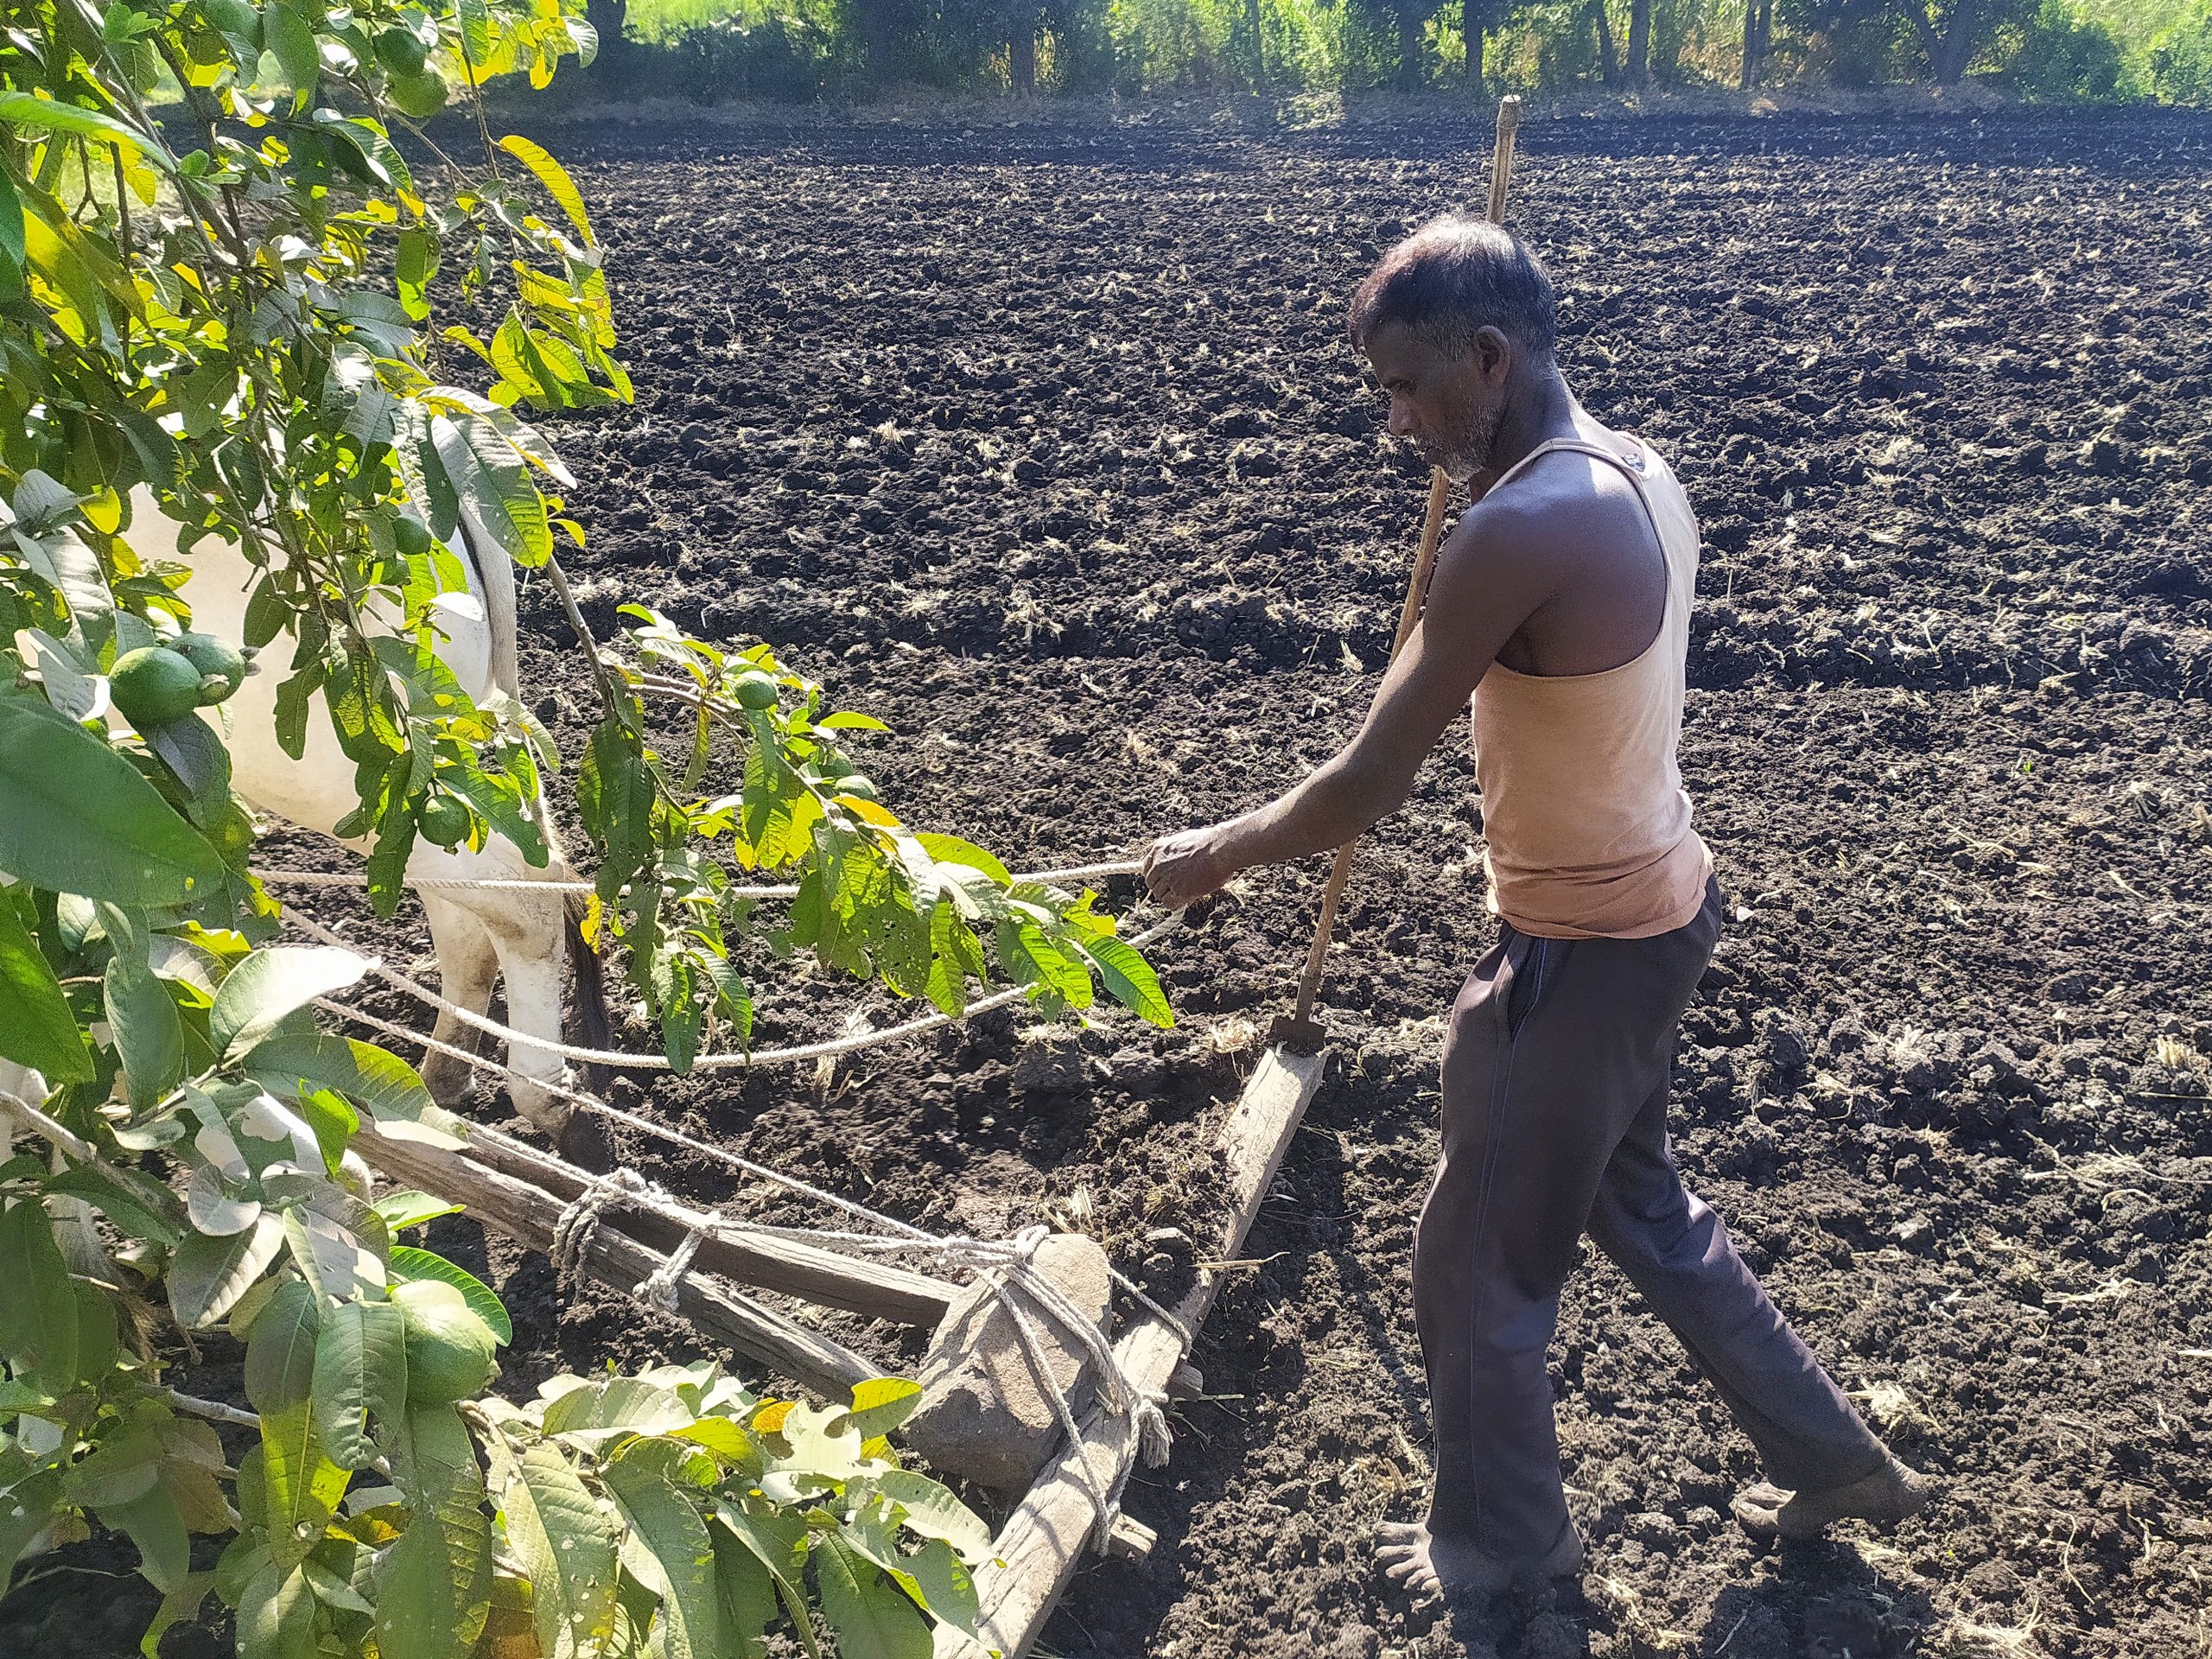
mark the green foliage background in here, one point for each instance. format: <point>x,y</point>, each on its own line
<point>2093,50</point>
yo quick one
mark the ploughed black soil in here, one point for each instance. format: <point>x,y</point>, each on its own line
<point>1043,444</point>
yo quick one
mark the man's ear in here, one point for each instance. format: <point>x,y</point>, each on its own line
<point>1492,353</point>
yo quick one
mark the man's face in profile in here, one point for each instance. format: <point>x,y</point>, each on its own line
<point>1448,408</point>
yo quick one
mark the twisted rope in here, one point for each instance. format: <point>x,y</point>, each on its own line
<point>729,1060</point>
<point>518,884</point>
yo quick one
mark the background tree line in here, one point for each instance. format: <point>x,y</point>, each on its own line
<point>2101,50</point>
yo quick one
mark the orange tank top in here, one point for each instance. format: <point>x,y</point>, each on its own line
<point>1587,822</point>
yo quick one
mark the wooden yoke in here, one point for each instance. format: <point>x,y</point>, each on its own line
<point>1298,1030</point>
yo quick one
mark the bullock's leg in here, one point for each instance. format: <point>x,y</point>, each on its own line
<point>467,966</point>
<point>529,935</point>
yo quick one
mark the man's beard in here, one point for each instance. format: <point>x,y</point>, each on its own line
<point>1466,450</point>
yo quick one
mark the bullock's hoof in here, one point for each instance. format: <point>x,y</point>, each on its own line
<point>584,1141</point>
<point>449,1080</point>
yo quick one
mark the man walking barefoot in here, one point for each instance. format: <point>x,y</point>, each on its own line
<point>1560,606</point>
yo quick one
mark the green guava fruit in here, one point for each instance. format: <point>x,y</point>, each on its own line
<point>154,685</point>
<point>412,538</point>
<point>442,820</point>
<point>755,691</point>
<point>222,665</point>
<point>448,1349</point>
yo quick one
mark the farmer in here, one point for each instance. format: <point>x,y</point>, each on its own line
<point>1560,606</point>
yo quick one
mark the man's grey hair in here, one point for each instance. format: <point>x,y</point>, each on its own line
<point>1454,277</point>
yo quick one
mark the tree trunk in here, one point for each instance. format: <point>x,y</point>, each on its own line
<point>608,17</point>
<point>1252,23</point>
<point>1754,41</point>
<point>1409,64</point>
<point>1957,50</point>
<point>1639,43</point>
<point>1471,25</point>
<point>1025,62</point>
<point>1608,65</point>
<point>879,39</point>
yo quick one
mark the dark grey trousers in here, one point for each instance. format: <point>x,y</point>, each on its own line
<point>1556,1078</point>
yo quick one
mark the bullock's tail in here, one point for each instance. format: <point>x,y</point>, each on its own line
<point>593,1024</point>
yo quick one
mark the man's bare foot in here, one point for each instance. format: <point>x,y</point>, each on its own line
<point>1886,1496</point>
<point>1452,1570</point>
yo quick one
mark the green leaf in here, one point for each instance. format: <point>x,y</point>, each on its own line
<point>677,1558</point>
<point>24,110</point>
<point>410,1209</point>
<point>138,1205</point>
<point>748,1597</point>
<point>952,850</point>
<point>261,990</point>
<point>881,1403</point>
<point>152,1522</point>
<point>382,1084</point>
<point>181,1606</point>
<point>406,1262</point>
<point>36,1027</point>
<point>75,816</point>
<point>1129,978</point>
<point>290,34</point>
<point>333,1256</point>
<point>147,1032</point>
<point>850,720</point>
<point>933,1512</point>
<point>276,1614</point>
<point>12,238</point>
<point>873,1617</point>
<point>490,477</point>
<point>434,1585</point>
<point>301,1486</point>
<point>360,1372</point>
<point>624,1404</point>
<point>548,173</point>
<point>564,1542</point>
<point>207,1275</point>
<point>38,1305</point>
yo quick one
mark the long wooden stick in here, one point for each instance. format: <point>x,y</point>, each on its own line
<point>1038,1549</point>
<point>529,1216</point>
<point>1440,490</point>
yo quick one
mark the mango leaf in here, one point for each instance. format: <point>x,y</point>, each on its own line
<point>75,816</point>
<point>1129,978</point>
<point>674,1557</point>
<point>360,1372</point>
<point>564,1542</point>
<point>38,1304</point>
<point>873,1617</point>
<point>268,985</point>
<point>36,1027</point>
<point>433,1583</point>
<point>207,1275</point>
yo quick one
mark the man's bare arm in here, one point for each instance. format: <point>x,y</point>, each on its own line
<point>1492,572</point>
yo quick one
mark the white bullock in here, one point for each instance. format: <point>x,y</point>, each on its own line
<point>480,936</point>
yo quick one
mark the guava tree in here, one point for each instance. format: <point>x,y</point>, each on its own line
<point>222,236</point>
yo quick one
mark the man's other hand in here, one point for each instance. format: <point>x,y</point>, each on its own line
<point>1180,870</point>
